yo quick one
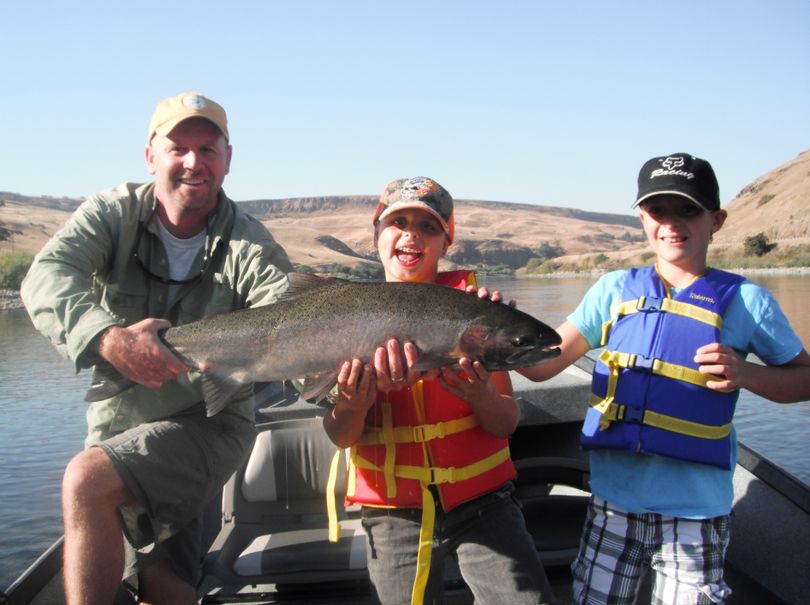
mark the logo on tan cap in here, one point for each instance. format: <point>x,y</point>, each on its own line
<point>170,112</point>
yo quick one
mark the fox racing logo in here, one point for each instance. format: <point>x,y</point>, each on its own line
<point>672,163</point>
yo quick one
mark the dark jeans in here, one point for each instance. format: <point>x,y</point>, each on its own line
<point>488,537</point>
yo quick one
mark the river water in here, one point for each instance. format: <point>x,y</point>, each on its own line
<point>43,411</point>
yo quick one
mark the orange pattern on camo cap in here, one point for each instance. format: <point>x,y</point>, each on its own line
<point>418,192</point>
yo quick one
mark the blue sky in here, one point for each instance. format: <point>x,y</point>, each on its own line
<point>555,103</point>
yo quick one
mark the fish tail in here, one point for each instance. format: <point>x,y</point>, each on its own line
<point>107,382</point>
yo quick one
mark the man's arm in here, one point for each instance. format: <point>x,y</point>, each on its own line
<point>58,290</point>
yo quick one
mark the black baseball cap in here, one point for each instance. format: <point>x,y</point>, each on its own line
<point>679,174</point>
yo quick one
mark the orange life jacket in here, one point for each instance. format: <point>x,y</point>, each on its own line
<point>409,445</point>
<point>426,436</point>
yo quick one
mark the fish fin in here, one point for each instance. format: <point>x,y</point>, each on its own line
<point>218,392</point>
<point>107,382</point>
<point>302,282</point>
<point>316,386</point>
<point>475,334</point>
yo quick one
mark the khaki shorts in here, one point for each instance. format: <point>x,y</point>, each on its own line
<point>173,468</point>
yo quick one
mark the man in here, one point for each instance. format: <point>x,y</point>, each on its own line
<point>131,261</point>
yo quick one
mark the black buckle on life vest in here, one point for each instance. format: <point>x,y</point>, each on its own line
<point>635,415</point>
<point>650,305</point>
<point>642,363</point>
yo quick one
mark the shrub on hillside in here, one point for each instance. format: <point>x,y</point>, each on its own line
<point>13,267</point>
<point>548,250</point>
<point>757,245</point>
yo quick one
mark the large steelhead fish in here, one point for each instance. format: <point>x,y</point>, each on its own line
<point>321,322</point>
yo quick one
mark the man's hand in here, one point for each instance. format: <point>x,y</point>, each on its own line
<point>137,352</point>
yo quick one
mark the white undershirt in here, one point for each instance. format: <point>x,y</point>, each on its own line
<point>180,253</point>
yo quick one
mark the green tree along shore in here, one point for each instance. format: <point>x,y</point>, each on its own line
<point>13,267</point>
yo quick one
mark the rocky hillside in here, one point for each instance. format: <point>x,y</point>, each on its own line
<point>325,232</point>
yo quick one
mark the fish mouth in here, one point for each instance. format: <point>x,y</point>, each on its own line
<point>528,357</point>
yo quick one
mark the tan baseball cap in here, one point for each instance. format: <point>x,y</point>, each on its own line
<point>170,112</point>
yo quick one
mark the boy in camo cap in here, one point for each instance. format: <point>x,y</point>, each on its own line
<point>418,499</point>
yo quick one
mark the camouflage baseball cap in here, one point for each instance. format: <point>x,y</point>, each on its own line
<point>418,192</point>
<point>170,112</point>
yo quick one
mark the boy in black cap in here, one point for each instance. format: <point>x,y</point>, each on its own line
<point>659,429</point>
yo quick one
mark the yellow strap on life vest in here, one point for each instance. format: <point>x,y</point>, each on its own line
<point>615,360</point>
<point>676,307</point>
<point>606,326</point>
<point>686,427</point>
<point>613,366</point>
<point>425,551</point>
<point>351,475</point>
<point>419,433</point>
<point>615,411</point>
<point>667,305</point>
<point>331,504</point>
<point>685,309</point>
<point>434,475</point>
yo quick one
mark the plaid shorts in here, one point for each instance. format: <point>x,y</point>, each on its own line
<point>174,467</point>
<point>618,548</point>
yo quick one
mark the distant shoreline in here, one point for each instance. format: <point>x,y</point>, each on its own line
<point>741,270</point>
<point>10,299</point>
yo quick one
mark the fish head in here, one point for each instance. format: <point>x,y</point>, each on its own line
<point>509,340</point>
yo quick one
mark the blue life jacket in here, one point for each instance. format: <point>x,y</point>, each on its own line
<point>647,393</point>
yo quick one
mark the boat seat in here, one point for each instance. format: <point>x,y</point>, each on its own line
<point>554,494</point>
<point>274,519</point>
<point>274,527</point>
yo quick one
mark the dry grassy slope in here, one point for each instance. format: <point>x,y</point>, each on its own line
<point>33,222</point>
<point>496,231</point>
<point>777,204</point>
<point>337,230</point>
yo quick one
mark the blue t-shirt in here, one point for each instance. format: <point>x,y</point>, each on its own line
<point>753,323</point>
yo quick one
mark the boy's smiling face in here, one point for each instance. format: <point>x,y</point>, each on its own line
<point>679,232</point>
<point>410,243</point>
